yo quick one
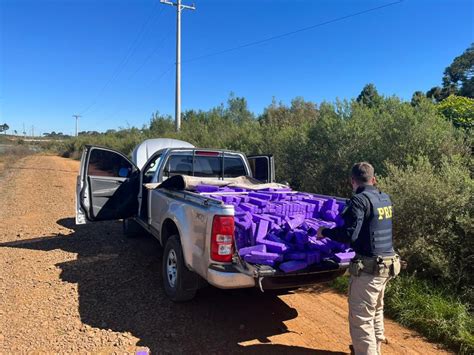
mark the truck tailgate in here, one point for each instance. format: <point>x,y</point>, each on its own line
<point>268,277</point>
<point>323,272</point>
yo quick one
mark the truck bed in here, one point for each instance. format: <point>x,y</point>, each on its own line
<point>280,224</point>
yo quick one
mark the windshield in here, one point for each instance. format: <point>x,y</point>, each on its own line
<point>205,166</point>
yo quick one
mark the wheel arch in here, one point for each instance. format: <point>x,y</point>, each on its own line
<point>168,229</point>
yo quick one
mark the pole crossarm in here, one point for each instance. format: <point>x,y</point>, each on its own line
<point>188,7</point>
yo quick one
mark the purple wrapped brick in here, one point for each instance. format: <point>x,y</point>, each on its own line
<point>227,199</point>
<point>288,236</point>
<point>251,233</point>
<point>259,217</point>
<point>344,257</point>
<point>248,250</point>
<point>300,237</point>
<point>262,230</point>
<point>257,256</point>
<point>248,207</point>
<point>294,222</point>
<point>335,245</point>
<point>242,224</point>
<point>330,215</point>
<point>257,202</point>
<point>295,256</point>
<point>261,196</point>
<point>319,245</point>
<point>330,204</point>
<point>339,221</point>
<point>274,247</point>
<point>275,219</point>
<point>274,238</point>
<point>249,258</point>
<point>291,266</point>
<point>207,188</point>
<point>326,224</point>
<point>313,257</point>
<point>240,239</point>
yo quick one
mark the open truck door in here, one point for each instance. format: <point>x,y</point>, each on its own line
<point>107,186</point>
<point>262,167</point>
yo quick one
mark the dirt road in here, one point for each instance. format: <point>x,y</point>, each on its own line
<point>67,288</point>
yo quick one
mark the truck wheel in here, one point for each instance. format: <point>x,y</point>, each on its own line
<point>131,228</point>
<point>180,284</point>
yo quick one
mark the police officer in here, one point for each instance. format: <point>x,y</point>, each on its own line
<point>368,228</point>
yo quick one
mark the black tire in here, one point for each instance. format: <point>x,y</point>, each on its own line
<point>183,285</point>
<point>131,228</point>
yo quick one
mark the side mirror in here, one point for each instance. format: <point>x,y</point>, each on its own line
<point>123,172</point>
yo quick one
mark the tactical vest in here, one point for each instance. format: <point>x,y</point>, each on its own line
<point>375,237</point>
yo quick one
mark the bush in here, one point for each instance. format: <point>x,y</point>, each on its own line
<point>395,131</point>
<point>16,151</point>
<point>433,220</point>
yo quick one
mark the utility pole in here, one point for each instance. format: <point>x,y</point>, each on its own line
<point>179,7</point>
<point>77,119</point>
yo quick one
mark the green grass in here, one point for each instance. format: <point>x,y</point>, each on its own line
<point>430,310</point>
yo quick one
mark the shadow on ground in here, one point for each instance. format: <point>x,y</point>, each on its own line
<point>120,288</point>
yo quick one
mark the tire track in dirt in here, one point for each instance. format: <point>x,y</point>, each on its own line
<point>67,288</point>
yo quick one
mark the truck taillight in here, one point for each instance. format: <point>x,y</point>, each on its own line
<point>222,238</point>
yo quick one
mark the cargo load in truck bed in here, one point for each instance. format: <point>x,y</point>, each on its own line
<point>277,227</point>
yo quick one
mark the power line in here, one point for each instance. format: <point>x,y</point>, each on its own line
<point>286,34</point>
<point>130,52</point>
<point>150,83</point>
<point>141,66</point>
<point>152,53</point>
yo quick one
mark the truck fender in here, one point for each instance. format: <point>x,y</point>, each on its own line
<point>190,235</point>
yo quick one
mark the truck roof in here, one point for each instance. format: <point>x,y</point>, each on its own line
<point>147,148</point>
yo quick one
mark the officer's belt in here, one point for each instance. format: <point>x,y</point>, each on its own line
<point>375,264</point>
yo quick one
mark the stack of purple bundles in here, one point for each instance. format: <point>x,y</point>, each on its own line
<point>278,227</point>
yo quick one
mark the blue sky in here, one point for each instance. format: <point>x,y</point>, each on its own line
<point>112,60</point>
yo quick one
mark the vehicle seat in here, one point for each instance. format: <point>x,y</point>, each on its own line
<point>184,169</point>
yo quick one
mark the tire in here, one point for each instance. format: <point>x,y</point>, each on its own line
<point>179,282</point>
<point>131,228</point>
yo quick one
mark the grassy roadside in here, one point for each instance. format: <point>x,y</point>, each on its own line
<point>10,154</point>
<point>429,309</point>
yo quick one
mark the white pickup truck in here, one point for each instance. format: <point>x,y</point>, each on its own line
<point>111,187</point>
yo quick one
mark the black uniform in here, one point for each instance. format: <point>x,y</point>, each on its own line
<point>367,223</point>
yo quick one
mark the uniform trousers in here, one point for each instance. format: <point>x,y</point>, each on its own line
<point>366,293</point>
